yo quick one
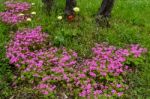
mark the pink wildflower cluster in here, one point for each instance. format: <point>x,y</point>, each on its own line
<point>17,6</point>
<point>29,52</point>
<point>104,72</point>
<point>21,49</point>
<point>13,13</point>
<point>54,69</point>
<point>136,50</point>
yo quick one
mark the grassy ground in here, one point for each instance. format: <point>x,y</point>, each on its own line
<point>130,23</point>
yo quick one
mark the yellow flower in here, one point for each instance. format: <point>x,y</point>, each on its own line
<point>76,9</point>
<point>33,13</point>
<point>21,14</point>
<point>32,3</point>
<point>29,19</point>
<point>59,17</point>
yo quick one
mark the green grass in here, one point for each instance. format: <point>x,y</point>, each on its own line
<point>130,23</point>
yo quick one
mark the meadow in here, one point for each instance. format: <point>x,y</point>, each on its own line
<point>129,24</point>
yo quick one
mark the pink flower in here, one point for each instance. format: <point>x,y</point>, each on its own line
<point>46,78</point>
<point>97,92</point>
<point>82,75</point>
<point>113,91</point>
<point>88,86</point>
<point>120,94</point>
<point>92,74</point>
<point>45,92</point>
<point>118,85</point>
<point>82,94</point>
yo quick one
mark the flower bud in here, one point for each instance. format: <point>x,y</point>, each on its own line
<point>59,17</point>
<point>33,13</point>
<point>28,19</point>
<point>76,9</point>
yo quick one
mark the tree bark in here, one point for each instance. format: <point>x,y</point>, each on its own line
<point>48,4</point>
<point>105,12</point>
<point>70,4</point>
<point>106,8</point>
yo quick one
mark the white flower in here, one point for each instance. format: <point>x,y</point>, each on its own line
<point>76,9</point>
<point>32,3</point>
<point>59,17</point>
<point>28,19</point>
<point>33,13</point>
<point>21,14</point>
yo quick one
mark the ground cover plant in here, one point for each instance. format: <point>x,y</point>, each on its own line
<point>47,57</point>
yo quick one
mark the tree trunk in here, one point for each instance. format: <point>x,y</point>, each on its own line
<point>70,4</point>
<point>48,4</point>
<point>105,12</point>
<point>106,8</point>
